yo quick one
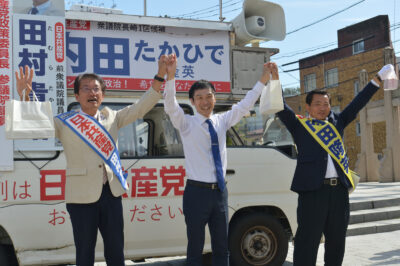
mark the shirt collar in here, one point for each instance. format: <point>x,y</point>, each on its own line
<point>202,118</point>
<point>326,119</point>
<point>41,8</point>
<point>97,116</point>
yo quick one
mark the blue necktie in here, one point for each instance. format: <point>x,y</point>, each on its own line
<point>216,155</point>
<point>34,11</point>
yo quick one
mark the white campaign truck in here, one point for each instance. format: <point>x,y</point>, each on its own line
<point>35,228</point>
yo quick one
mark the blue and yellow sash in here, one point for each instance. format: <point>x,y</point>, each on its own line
<point>97,138</point>
<point>329,138</point>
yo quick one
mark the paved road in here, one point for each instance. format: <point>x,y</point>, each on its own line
<point>374,249</point>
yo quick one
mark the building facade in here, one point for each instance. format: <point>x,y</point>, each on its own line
<point>360,46</point>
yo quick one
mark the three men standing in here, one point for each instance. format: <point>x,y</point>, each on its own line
<point>93,191</point>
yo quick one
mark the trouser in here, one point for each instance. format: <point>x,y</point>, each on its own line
<point>323,211</point>
<point>203,206</point>
<point>105,215</point>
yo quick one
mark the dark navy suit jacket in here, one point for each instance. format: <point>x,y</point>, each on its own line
<point>312,159</point>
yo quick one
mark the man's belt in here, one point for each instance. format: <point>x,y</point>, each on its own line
<point>202,184</point>
<point>331,181</point>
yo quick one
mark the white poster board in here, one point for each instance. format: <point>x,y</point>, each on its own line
<point>125,55</point>
<point>6,74</point>
<point>39,42</point>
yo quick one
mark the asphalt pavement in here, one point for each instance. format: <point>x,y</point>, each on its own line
<point>372,249</point>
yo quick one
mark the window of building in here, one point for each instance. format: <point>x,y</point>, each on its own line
<point>358,46</point>
<point>331,78</point>
<point>358,129</point>
<point>356,87</point>
<point>310,82</point>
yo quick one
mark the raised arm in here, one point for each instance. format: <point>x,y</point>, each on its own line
<point>362,98</point>
<point>246,104</point>
<point>24,81</point>
<point>162,71</point>
<point>148,100</point>
<point>287,115</point>
<point>171,105</point>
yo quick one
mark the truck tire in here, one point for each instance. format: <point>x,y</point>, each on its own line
<point>257,239</point>
<point>7,256</point>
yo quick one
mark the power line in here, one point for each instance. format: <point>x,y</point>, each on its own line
<point>391,28</point>
<point>226,11</point>
<point>312,49</point>
<point>289,74</point>
<point>339,83</point>
<point>320,20</point>
<point>320,54</point>
<point>208,10</point>
<point>201,10</point>
<point>325,18</point>
<point>348,68</point>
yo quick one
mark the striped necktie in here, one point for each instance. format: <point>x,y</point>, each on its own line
<point>216,155</point>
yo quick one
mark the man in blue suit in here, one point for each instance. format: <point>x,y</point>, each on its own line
<point>322,185</point>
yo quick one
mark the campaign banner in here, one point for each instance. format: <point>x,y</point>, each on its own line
<point>39,42</point>
<point>6,74</point>
<point>125,55</point>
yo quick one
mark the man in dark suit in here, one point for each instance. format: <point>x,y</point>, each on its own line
<point>322,185</point>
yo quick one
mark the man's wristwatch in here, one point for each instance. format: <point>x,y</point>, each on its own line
<point>378,78</point>
<point>160,79</point>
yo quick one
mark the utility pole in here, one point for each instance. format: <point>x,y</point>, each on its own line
<point>221,18</point>
<point>144,8</point>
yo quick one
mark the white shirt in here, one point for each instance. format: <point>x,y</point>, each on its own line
<point>98,116</point>
<point>330,169</point>
<point>196,137</point>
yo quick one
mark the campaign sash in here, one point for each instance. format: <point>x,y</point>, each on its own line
<point>97,138</point>
<point>329,138</point>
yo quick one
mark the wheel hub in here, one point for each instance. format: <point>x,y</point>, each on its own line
<point>257,243</point>
<point>258,246</point>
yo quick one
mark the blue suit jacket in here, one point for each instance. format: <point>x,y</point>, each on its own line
<point>312,158</point>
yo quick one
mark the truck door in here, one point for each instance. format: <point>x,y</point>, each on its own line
<point>152,154</point>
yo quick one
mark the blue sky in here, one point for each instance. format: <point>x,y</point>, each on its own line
<point>298,13</point>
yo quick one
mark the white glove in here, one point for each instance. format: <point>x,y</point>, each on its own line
<point>386,72</point>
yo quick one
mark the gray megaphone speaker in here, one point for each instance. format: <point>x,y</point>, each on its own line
<point>259,21</point>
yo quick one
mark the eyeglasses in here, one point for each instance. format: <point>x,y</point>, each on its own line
<point>87,90</point>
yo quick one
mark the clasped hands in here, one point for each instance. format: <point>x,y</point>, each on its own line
<point>167,66</point>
